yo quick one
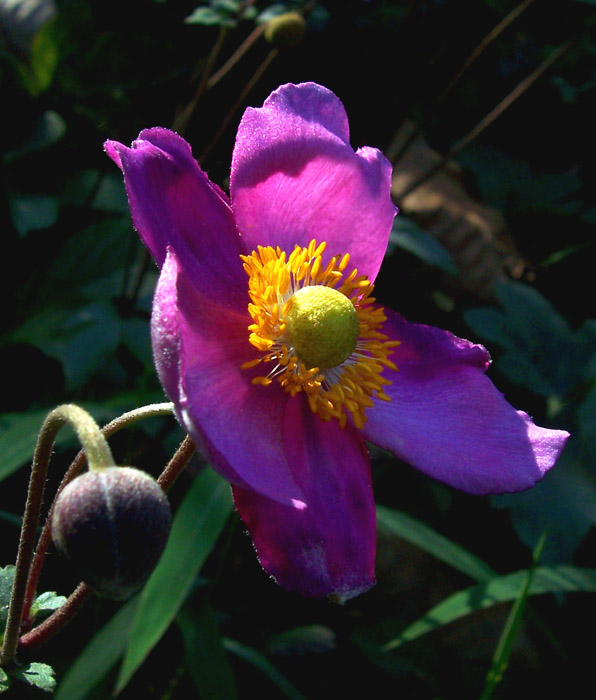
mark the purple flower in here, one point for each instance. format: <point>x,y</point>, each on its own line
<point>277,358</point>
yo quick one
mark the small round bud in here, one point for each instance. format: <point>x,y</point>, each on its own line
<point>112,524</point>
<point>286,31</point>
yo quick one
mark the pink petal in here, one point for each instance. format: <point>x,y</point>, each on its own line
<point>447,419</point>
<point>199,347</point>
<point>295,177</point>
<point>173,203</point>
<point>327,548</point>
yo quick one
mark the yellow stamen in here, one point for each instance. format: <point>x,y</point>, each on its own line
<point>347,380</point>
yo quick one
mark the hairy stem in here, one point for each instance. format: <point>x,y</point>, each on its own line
<point>98,453</point>
<point>74,470</point>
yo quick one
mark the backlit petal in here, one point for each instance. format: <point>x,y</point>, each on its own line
<point>173,203</point>
<point>327,548</point>
<point>295,177</point>
<point>198,347</point>
<point>447,418</point>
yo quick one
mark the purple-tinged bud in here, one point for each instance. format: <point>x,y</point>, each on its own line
<point>112,524</point>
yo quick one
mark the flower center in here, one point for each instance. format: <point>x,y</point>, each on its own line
<point>322,325</point>
<point>319,328</point>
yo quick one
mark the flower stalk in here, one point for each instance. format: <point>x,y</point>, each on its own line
<point>98,454</point>
<point>77,465</point>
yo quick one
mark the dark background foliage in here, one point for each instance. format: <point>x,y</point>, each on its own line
<point>498,246</point>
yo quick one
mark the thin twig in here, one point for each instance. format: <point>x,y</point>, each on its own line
<point>392,151</point>
<point>57,620</point>
<point>183,117</point>
<point>257,75</point>
<point>494,114</point>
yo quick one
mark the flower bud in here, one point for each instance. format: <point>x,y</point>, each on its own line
<point>112,524</point>
<point>286,31</point>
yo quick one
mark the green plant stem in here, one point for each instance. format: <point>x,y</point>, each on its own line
<point>77,465</point>
<point>98,452</point>
<point>48,628</point>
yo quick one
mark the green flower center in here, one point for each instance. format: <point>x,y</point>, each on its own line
<point>322,325</point>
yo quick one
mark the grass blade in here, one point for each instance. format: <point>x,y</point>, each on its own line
<point>196,528</point>
<point>424,537</point>
<point>556,579</point>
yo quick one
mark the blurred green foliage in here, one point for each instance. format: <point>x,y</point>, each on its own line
<point>77,289</point>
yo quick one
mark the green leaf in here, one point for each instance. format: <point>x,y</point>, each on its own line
<point>6,579</point>
<point>256,659</point>
<point>427,539</point>
<point>39,675</point>
<point>205,657</point>
<point>407,236</point>
<point>196,528</point>
<point>99,656</point>
<point>48,130</point>
<point>210,17</point>
<point>540,352</point>
<point>43,59</point>
<point>46,603</point>
<point>4,681</point>
<point>111,195</point>
<point>33,213</point>
<point>510,630</point>
<point>556,579</point>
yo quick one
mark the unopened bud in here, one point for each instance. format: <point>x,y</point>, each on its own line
<point>286,31</point>
<point>112,524</point>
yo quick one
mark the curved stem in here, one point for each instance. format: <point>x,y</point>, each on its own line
<point>57,619</point>
<point>177,464</point>
<point>99,454</point>
<point>74,470</point>
<point>82,593</point>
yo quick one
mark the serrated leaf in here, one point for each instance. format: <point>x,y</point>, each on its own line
<point>540,352</point>
<point>195,530</point>
<point>99,656</point>
<point>557,579</point>
<point>46,603</point>
<point>39,675</point>
<point>210,18</point>
<point>427,539</point>
<point>271,12</point>
<point>6,579</point>
<point>4,681</point>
